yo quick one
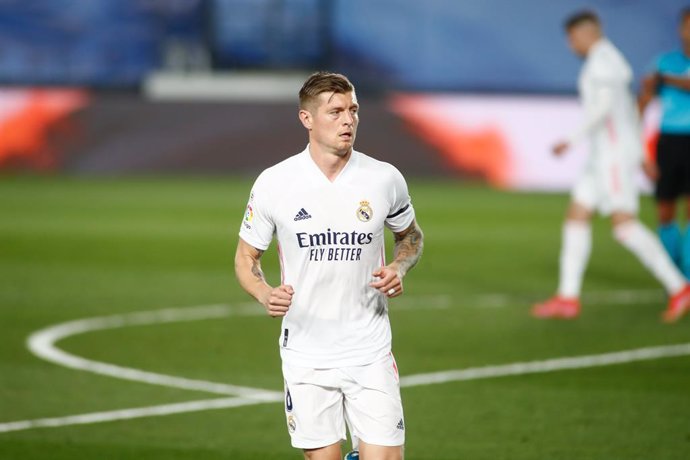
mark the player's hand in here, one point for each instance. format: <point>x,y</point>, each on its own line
<point>389,281</point>
<point>651,170</point>
<point>279,300</point>
<point>559,148</point>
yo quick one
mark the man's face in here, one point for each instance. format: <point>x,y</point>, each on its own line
<point>579,39</point>
<point>333,121</point>
<point>684,31</point>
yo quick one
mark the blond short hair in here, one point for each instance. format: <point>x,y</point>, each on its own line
<point>323,82</point>
<point>581,17</point>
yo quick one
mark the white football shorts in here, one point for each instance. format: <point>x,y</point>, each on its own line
<point>319,402</point>
<point>608,184</point>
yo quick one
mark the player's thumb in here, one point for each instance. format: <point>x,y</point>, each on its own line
<point>378,273</point>
<point>287,288</point>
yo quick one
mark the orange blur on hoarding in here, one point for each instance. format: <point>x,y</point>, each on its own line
<point>483,151</point>
<point>34,121</point>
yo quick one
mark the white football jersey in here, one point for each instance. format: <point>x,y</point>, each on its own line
<point>330,242</point>
<point>612,122</point>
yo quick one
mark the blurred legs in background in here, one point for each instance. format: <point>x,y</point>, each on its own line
<point>635,237</point>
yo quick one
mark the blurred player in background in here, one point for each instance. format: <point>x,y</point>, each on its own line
<point>607,184</point>
<point>328,207</point>
<point>671,81</point>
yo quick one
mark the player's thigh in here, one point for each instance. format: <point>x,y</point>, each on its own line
<point>578,212</point>
<point>617,181</point>
<point>373,405</point>
<point>331,452</point>
<point>374,452</point>
<point>585,194</point>
<point>313,411</point>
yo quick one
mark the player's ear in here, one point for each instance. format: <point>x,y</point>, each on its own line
<point>306,118</point>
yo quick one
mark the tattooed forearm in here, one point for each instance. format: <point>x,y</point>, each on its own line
<point>408,248</point>
<point>256,270</point>
<point>256,267</point>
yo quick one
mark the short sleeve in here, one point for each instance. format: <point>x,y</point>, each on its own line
<point>401,213</point>
<point>664,63</point>
<point>257,225</point>
<point>609,73</point>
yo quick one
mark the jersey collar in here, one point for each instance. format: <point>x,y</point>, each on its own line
<point>315,174</point>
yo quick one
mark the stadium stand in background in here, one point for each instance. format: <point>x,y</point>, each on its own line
<point>478,89</point>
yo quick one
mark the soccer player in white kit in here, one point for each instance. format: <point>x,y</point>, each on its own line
<point>607,185</point>
<point>327,207</point>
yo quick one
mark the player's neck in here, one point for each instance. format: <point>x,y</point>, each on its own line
<point>330,163</point>
<point>596,41</point>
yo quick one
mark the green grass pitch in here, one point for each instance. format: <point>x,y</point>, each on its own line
<point>76,248</point>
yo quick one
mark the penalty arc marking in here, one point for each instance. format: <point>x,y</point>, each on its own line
<point>43,344</point>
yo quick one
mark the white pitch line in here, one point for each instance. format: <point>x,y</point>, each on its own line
<point>128,414</point>
<point>502,300</point>
<point>42,343</point>
<point>514,369</point>
<point>618,297</point>
<point>549,365</point>
<point>626,296</point>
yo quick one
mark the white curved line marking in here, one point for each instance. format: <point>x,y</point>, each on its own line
<point>42,343</point>
<point>532,367</point>
<point>127,414</point>
<point>549,365</point>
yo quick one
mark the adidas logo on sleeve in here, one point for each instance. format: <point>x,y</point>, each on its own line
<point>302,215</point>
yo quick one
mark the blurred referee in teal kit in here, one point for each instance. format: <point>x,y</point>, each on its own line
<point>671,82</point>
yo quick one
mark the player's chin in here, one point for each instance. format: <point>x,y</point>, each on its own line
<point>343,148</point>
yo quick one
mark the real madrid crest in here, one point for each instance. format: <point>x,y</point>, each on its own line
<point>364,212</point>
<point>292,423</point>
